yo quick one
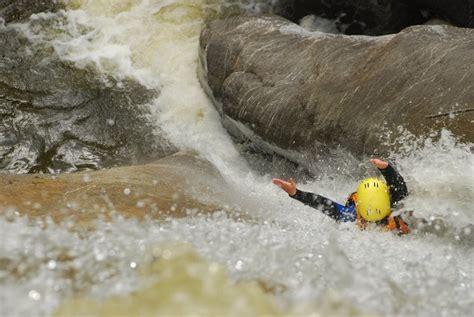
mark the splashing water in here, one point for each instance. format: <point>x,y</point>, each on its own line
<point>289,245</point>
<point>440,172</point>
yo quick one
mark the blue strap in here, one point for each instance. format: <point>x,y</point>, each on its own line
<point>346,213</point>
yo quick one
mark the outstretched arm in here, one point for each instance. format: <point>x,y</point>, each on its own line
<point>398,187</point>
<point>327,206</point>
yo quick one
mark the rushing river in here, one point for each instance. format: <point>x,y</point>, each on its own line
<point>289,245</point>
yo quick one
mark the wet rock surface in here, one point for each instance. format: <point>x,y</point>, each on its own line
<point>170,187</point>
<point>296,91</point>
<point>17,10</point>
<point>386,16</point>
<point>55,117</point>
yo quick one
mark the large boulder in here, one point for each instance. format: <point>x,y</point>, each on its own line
<point>293,91</point>
<point>56,117</point>
<point>174,186</point>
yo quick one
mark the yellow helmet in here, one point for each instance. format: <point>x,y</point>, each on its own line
<point>373,199</point>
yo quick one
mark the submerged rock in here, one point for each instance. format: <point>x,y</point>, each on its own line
<point>180,283</point>
<point>55,117</point>
<point>171,187</point>
<point>293,91</point>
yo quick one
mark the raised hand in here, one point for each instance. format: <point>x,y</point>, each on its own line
<point>379,163</point>
<point>287,186</point>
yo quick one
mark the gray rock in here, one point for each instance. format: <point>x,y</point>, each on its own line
<point>55,117</point>
<point>169,187</point>
<point>299,93</point>
<point>18,10</point>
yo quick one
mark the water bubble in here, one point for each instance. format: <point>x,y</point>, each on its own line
<point>10,214</point>
<point>72,205</point>
<point>127,191</point>
<point>133,265</point>
<point>238,265</point>
<point>34,295</point>
<point>100,257</point>
<point>86,178</point>
<point>111,122</point>
<point>51,264</point>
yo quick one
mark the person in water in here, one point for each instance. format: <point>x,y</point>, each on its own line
<point>371,203</point>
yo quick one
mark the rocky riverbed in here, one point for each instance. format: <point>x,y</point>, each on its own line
<point>138,140</point>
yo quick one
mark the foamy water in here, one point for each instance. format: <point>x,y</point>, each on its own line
<point>290,245</point>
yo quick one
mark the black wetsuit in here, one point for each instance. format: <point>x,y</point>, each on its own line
<point>347,212</point>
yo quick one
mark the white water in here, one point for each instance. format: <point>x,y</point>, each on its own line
<point>155,42</point>
<point>317,24</point>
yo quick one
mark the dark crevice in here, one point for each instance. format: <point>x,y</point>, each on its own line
<point>47,159</point>
<point>43,161</point>
<point>370,17</point>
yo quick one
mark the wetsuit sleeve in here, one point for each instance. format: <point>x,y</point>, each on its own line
<point>327,206</point>
<point>398,187</point>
